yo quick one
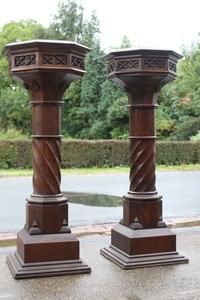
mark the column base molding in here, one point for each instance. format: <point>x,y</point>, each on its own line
<point>142,261</point>
<point>46,255</point>
<point>132,249</point>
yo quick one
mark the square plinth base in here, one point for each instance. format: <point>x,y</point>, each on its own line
<point>46,255</point>
<point>142,248</point>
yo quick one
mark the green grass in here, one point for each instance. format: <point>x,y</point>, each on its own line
<point>12,134</point>
<point>95,170</point>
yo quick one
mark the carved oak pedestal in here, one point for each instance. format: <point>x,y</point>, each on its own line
<point>46,246</point>
<point>142,239</point>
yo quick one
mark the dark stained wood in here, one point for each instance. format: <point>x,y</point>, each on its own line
<point>142,73</point>
<point>46,69</point>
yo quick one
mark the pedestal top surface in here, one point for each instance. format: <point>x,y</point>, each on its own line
<point>45,43</point>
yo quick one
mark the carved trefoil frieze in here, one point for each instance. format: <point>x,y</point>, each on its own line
<point>154,64</point>
<point>25,60</point>
<point>172,66</point>
<point>77,62</point>
<point>111,67</point>
<point>127,64</point>
<point>54,59</point>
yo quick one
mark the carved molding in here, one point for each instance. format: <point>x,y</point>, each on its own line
<point>64,227</point>
<point>35,229</point>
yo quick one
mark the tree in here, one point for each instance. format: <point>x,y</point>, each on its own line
<point>14,110</point>
<point>67,24</point>
<point>126,43</point>
<point>91,91</point>
<point>180,100</point>
<point>91,30</point>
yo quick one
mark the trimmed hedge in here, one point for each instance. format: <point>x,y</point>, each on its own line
<point>85,153</point>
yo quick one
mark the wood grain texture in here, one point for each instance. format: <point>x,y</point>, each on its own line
<point>46,246</point>
<point>142,74</point>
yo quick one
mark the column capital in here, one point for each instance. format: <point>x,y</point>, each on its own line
<point>46,67</point>
<point>129,67</point>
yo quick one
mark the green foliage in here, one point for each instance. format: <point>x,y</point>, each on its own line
<point>21,31</point>
<point>68,22</point>
<point>195,137</point>
<point>90,32</point>
<point>91,93</point>
<point>103,104</point>
<point>126,43</point>
<point>117,117</point>
<point>12,134</point>
<point>95,108</point>
<point>164,123</point>
<point>15,110</point>
<point>14,105</point>
<point>176,153</point>
<point>15,154</point>
<point>180,100</point>
<point>99,153</point>
<point>71,114</point>
<point>187,128</point>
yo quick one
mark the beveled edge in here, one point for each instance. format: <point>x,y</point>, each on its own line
<point>149,52</point>
<point>40,42</point>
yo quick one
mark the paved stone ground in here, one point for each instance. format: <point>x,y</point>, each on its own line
<point>108,281</point>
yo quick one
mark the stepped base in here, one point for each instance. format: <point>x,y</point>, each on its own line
<point>126,261</point>
<point>46,255</point>
<point>142,248</point>
<point>22,270</point>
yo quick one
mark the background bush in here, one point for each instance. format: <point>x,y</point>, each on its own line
<point>87,153</point>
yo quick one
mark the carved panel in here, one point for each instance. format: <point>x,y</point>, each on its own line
<point>154,64</point>
<point>25,60</point>
<point>54,59</point>
<point>77,62</point>
<point>111,67</point>
<point>172,66</point>
<point>10,63</point>
<point>128,64</point>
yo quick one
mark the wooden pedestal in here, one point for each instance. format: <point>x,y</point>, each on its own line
<point>142,239</point>
<point>46,247</point>
<point>46,255</point>
<point>142,248</point>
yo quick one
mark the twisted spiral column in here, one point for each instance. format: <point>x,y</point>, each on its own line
<point>47,209</point>
<point>142,204</point>
<point>142,165</point>
<point>46,166</point>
